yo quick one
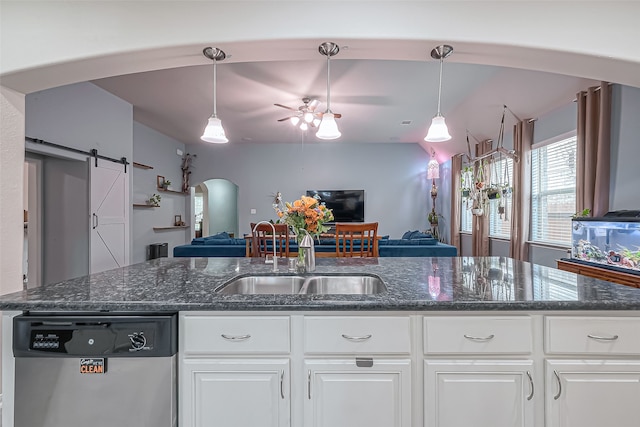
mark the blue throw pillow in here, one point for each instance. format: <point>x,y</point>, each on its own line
<point>407,235</point>
<point>419,235</point>
<point>222,235</point>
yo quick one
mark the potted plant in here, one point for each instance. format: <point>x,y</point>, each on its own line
<point>466,179</point>
<point>493,192</point>
<point>166,183</point>
<point>154,200</point>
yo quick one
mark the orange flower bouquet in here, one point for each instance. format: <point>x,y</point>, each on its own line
<point>306,213</point>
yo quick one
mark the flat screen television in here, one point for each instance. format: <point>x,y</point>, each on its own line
<point>347,205</point>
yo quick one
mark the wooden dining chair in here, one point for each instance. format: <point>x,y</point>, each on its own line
<point>357,240</point>
<point>261,236</point>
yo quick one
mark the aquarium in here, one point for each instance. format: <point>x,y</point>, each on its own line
<point>612,240</point>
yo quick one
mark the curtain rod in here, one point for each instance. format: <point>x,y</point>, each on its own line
<point>93,153</point>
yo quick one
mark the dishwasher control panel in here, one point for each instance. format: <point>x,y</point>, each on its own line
<point>112,336</point>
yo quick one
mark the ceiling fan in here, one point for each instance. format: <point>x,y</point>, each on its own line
<point>305,116</point>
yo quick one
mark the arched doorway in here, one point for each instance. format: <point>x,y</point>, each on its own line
<point>216,207</point>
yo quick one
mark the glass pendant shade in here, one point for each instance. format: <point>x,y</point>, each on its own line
<point>214,132</point>
<point>438,131</point>
<point>294,120</point>
<point>328,128</point>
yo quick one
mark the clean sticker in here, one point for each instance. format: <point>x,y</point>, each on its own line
<point>92,366</point>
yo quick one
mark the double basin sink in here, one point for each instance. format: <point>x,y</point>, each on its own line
<point>321,284</point>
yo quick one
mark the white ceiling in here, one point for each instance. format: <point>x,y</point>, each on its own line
<point>373,96</point>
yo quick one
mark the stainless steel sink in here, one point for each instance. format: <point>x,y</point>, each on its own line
<point>250,285</point>
<point>322,284</point>
<point>355,284</point>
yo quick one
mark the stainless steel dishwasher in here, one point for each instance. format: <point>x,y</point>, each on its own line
<point>95,371</point>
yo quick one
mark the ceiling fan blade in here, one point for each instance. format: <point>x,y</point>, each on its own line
<point>313,105</point>
<point>335,115</point>
<point>286,118</point>
<point>284,106</point>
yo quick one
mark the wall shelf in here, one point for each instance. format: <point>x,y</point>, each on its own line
<point>141,165</point>
<point>144,205</point>
<point>172,191</point>
<point>173,227</point>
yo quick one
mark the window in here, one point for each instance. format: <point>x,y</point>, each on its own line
<point>500,223</point>
<point>553,191</point>
<point>466,179</point>
<point>465,215</point>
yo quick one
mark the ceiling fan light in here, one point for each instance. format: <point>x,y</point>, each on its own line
<point>304,126</point>
<point>328,128</point>
<point>294,120</point>
<point>308,117</point>
<point>438,131</point>
<point>214,132</point>
<point>316,122</point>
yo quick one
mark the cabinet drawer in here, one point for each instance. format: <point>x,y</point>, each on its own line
<point>508,334</point>
<point>218,334</point>
<point>357,334</point>
<point>592,335</point>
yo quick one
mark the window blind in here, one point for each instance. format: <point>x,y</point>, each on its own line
<point>553,191</point>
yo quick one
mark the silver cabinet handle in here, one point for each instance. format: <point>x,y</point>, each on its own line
<point>557,396</point>
<point>351,338</point>
<point>309,384</point>
<point>94,220</point>
<point>531,384</point>
<point>282,384</point>
<point>235,337</point>
<point>597,337</point>
<point>469,337</point>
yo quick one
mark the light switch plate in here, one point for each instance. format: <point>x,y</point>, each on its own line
<point>253,211</point>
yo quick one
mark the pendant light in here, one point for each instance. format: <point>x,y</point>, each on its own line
<point>328,128</point>
<point>214,131</point>
<point>438,131</point>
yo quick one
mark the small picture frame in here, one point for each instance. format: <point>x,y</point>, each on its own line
<point>160,181</point>
<point>177,220</point>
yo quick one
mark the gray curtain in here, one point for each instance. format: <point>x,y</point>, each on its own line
<point>594,147</point>
<point>521,202</point>
<point>456,168</point>
<point>480,224</point>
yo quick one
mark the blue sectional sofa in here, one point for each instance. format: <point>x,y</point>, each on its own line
<point>222,245</point>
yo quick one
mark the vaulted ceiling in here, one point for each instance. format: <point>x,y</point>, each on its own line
<point>381,101</point>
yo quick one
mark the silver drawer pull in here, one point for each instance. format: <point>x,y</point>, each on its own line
<point>469,337</point>
<point>597,337</point>
<point>235,337</point>
<point>356,339</point>
<point>531,384</point>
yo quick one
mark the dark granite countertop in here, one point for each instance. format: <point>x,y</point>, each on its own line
<point>435,284</point>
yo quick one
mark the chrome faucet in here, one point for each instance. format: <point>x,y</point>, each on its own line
<point>307,245</point>
<point>275,255</point>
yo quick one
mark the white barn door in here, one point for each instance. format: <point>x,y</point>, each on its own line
<point>109,194</point>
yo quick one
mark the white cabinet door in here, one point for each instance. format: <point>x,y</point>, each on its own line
<point>592,393</point>
<point>235,393</point>
<point>491,393</point>
<point>341,394</point>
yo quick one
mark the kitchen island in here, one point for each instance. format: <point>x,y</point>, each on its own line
<point>512,343</point>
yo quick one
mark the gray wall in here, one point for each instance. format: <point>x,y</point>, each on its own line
<point>159,151</point>
<point>392,175</point>
<point>625,148</point>
<point>80,116</point>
